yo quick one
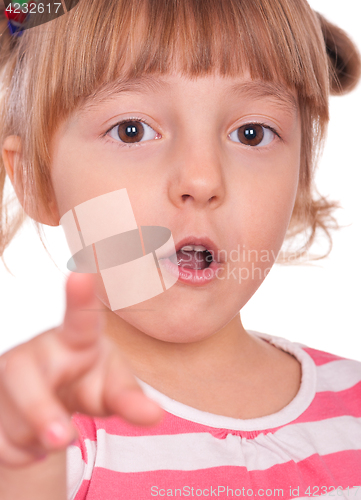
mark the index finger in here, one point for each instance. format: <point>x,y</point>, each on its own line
<point>83,319</point>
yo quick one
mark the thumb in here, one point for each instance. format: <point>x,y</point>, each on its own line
<point>83,318</point>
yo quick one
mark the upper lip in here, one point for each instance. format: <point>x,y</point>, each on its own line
<point>198,240</point>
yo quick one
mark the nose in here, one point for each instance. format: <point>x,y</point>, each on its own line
<point>198,176</point>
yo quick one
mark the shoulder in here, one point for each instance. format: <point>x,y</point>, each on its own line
<point>329,371</point>
<point>335,373</point>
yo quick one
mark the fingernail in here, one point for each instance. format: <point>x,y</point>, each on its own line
<point>55,434</point>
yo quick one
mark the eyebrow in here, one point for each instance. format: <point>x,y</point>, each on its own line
<point>111,91</point>
<point>276,92</point>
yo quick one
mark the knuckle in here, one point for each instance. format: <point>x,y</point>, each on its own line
<point>11,363</point>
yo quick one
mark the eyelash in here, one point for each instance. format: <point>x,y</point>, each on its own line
<point>273,130</point>
<point>265,126</point>
<point>143,120</point>
<point>121,144</point>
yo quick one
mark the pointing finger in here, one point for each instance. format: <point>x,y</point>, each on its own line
<point>83,319</point>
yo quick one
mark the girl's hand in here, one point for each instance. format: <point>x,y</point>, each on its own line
<point>67,369</point>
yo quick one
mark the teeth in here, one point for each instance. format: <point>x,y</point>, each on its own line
<point>200,248</point>
<point>187,248</point>
<point>196,248</point>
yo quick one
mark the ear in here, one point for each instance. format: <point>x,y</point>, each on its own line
<point>11,155</point>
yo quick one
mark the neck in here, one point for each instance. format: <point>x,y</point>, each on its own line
<point>219,374</point>
<point>216,357</point>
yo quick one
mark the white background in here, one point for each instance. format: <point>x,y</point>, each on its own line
<point>316,305</point>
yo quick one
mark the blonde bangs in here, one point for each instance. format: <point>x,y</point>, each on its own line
<point>278,40</point>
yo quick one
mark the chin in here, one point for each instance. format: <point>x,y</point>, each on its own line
<point>173,326</point>
<point>173,316</point>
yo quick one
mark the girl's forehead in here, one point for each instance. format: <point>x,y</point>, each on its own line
<point>241,85</point>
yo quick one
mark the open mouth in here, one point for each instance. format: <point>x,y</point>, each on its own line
<point>196,261</point>
<point>194,257</point>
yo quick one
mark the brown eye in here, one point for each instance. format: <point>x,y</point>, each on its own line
<point>130,131</point>
<point>253,134</point>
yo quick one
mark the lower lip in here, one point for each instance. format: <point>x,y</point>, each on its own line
<point>194,277</point>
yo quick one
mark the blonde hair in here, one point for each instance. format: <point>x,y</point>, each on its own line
<point>57,66</point>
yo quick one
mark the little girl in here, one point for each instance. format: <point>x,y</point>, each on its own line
<point>186,132</point>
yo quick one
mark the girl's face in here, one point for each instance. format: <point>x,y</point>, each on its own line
<point>212,157</point>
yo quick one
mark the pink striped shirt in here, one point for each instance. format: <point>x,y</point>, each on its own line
<point>306,450</point>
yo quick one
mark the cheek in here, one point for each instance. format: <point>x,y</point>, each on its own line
<point>265,206</point>
<point>276,207</point>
